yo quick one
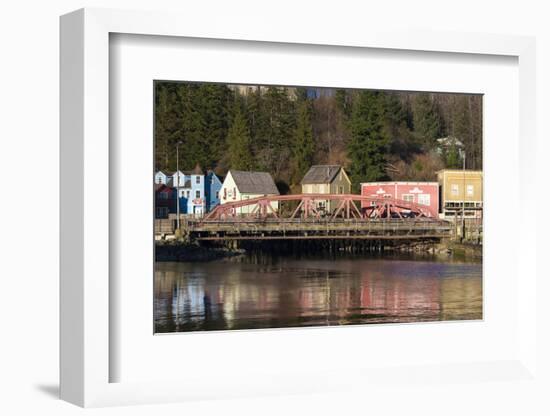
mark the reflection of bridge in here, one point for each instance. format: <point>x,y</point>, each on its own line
<point>300,217</point>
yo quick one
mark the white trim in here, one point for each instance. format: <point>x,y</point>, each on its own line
<point>403,197</point>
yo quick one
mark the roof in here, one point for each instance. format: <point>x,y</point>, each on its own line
<point>165,173</point>
<point>449,140</point>
<point>213,174</point>
<point>198,170</point>
<point>321,174</point>
<point>160,187</point>
<point>466,171</point>
<point>408,183</point>
<point>254,182</point>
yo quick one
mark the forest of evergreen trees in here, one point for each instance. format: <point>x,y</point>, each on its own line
<point>375,135</point>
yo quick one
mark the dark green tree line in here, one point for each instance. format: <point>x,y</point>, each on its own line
<point>374,134</point>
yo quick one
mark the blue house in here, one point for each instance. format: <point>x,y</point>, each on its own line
<point>196,202</point>
<point>212,187</point>
<point>190,186</point>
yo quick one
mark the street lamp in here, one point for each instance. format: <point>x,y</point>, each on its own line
<point>178,185</point>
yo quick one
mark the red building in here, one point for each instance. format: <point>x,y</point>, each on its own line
<point>165,200</point>
<point>423,193</point>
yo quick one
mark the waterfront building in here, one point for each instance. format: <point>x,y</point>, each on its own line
<point>190,186</point>
<point>326,179</point>
<point>461,190</point>
<point>212,187</point>
<point>164,177</point>
<point>165,200</point>
<point>240,185</point>
<point>422,193</point>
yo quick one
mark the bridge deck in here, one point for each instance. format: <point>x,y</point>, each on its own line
<point>270,229</point>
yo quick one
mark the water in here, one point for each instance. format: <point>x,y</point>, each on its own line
<point>273,292</point>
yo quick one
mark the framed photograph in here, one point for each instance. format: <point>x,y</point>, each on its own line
<point>273,209</point>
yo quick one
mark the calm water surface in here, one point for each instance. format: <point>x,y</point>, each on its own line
<point>272,292</point>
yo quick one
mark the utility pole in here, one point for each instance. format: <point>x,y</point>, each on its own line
<point>178,187</point>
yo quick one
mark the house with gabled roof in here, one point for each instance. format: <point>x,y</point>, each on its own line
<point>165,200</point>
<point>164,177</point>
<point>241,185</point>
<point>326,179</point>
<point>212,187</point>
<point>190,186</point>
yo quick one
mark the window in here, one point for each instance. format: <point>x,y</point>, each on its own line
<point>424,199</point>
<point>469,190</point>
<point>197,193</point>
<point>162,212</point>
<point>234,193</point>
<point>387,196</point>
<point>197,179</point>
<point>408,197</point>
<point>340,189</point>
<point>187,194</point>
<point>224,193</point>
<point>454,189</point>
<point>217,194</point>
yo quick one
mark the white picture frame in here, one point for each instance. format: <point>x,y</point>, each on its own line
<point>85,212</point>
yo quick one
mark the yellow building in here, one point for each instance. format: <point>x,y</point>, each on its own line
<point>461,189</point>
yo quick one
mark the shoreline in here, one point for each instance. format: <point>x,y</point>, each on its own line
<point>179,251</point>
<point>188,252</point>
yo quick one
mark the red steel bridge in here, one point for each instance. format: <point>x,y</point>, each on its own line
<point>300,216</point>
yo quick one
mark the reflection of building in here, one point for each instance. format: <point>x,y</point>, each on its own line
<point>461,188</point>
<point>240,185</point>
<point>423,193</point>
<point>326,179</point>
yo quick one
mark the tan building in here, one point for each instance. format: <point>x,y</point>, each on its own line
<point>326,179</point>
<point>461,189</point>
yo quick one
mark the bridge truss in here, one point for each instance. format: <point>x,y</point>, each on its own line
<point>306,206</point>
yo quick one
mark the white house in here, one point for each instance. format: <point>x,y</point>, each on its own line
<point>164,178</point>
<point>239,186</point>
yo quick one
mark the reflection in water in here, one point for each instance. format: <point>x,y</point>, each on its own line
<point>247,292</point>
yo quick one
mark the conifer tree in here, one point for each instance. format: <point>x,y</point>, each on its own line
<point>238,141</point>
<point>453,159</point>
<point>427,125</point>
<point>368,143</point>
<point>303,149</point>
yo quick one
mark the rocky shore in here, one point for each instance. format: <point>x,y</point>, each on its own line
<point>182,251</point>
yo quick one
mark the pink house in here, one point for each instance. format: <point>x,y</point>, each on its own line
<point>423,193</point>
